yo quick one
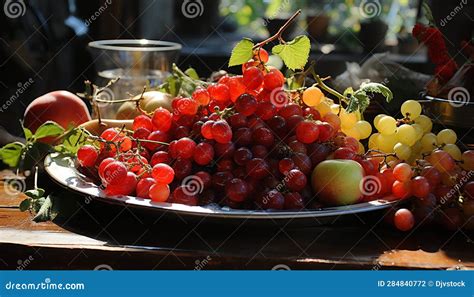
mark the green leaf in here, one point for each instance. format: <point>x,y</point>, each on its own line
<point>25,204</point>
<point>192,73</point>
<point>377,88</point>
<point>348,92</point>
<point>28,133</point>
<point>72,141</point>
<point>242,52</point>
<point>35,194</point>
<point>49,128</point>
<point>46,212</point>
<point>294,53</point>
<point>360,99</point>
<point>11,153</point>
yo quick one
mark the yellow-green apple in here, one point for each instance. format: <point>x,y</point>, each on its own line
<point>337,182</point>
<point>62,107</point>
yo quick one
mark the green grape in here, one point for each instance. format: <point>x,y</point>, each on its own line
<point>402,151</point>
<point>446,136</point>
<point>425,122</point>
<point>377,119</point>
<point>324,108</point>
<point>416,148</point>
<point>312,96</point>
<point>386,142</point>
<point>335,108</point>
<point>373,142</point>
<point>453,150</point>
<point>406,134</point>
<point>348,120</point>
<point>361,149</point>
<point>418,130</point>
<point>428,142</point>
<point>387,125</point>
<point>364,129</point>
<point>353,132</point>
<point>411,109</point>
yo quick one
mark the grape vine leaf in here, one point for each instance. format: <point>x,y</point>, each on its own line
<point>360,99</point>
<point>72,141</point>
<point>242,52</point>
<point>11,153</point>
<point>47,210</point>
<point>48,129</point>
<point>294,53</point>
<point>192,73</point>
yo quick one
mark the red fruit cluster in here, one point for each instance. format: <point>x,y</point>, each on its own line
<point>437,51</point>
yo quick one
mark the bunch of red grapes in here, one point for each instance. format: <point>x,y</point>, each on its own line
<point>243,142</point>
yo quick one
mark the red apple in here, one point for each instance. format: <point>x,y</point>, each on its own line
<point>62,107</point>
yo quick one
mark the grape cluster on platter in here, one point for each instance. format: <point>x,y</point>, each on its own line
<point>245,142</point>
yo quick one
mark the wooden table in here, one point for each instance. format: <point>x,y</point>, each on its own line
<point>100,236</point>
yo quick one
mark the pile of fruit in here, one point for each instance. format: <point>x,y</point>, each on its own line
<point>246,142</point>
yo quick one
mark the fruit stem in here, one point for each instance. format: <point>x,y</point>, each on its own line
<point>278,35</point>
<point>322,85</point>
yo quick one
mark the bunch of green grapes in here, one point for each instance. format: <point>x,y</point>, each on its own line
<point>412,136</point>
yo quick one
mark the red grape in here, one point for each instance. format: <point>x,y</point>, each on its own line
<point>260,54</point>
<point>114,173</point>
<point>293,200</point>
<point>432,175</point>
<point>161,119</point>
<point>142,121</point>
<point>273,79</point>
<point>87,155</point>
<point>219,92</point>
<point>295,180</point>
<point>246,104</point>
<point>242,155</point>
<point>420,187</point>
<point>221,131</point>
<point>206,130</point>
<point>263,136</point>
<point>163,173</point>
<point>441,160</point>
<point>184,148</point>
<point>126,187</point>
<point>201,96</point>
<point>143,187</point>
<point>307,132</point>
<point>285,165</point>
<point>265,110</point>
<point>237,190</point>
<point>159,192</point>
<point>404,219</point>
<point>253,78</point>
<point>203,153</point>
<point>401,189</point>
<point>402,172</point>
<point>257,168</point>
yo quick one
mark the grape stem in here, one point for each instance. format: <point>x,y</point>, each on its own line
<point>278,35</point>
